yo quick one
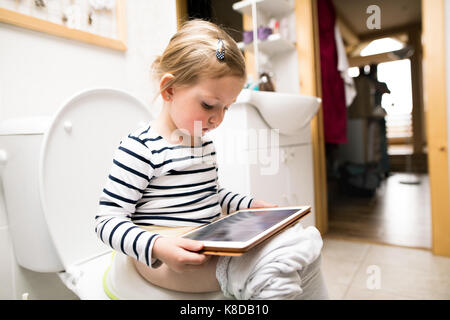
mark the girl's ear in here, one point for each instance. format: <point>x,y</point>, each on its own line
<point>166,92</point>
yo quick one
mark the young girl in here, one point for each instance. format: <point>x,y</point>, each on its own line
<point>164,176</point>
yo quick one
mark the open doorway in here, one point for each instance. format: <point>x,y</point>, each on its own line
<point>378,188</point>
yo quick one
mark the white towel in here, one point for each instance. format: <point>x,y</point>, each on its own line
<point>270,270</point>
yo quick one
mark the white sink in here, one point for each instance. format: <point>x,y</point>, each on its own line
<point>287,112</point>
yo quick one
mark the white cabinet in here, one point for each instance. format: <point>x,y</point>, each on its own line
<point>292,183</point>
<point>301,179</point>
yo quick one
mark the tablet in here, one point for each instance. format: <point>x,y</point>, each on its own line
<point>240,231</point>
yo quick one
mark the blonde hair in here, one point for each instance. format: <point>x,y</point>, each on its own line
<point>191,55</point>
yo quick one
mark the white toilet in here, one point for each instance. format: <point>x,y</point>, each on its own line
<point>53,170</point>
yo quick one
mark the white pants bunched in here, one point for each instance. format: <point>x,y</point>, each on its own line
<point>285,267</point>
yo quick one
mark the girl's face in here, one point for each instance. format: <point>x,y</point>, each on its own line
<point>201,107</point>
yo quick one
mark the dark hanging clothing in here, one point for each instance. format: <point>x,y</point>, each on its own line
<point>333,91</point>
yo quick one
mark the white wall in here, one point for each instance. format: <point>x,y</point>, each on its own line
<point>38,72</point>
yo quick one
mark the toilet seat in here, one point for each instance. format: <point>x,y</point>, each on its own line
<point>113,276</point>
<point>122,282</point>
<point>86,279</point>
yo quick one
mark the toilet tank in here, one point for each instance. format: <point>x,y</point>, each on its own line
<point>20,148</point>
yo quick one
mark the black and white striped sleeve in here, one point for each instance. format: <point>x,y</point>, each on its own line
<point>231,202</point>
<point>129,175</point>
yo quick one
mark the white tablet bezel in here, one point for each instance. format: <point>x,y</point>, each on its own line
<point>242,245</point>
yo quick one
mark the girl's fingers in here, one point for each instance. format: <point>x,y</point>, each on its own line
<point>194,258</point>
<point>190,245</point>
<point>263,204</point>
<point>188,253</point>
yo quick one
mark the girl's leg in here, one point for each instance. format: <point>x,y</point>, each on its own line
<point>200,280</point>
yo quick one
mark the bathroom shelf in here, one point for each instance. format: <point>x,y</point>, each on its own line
<point>273,8</point>
<point>273,45</point>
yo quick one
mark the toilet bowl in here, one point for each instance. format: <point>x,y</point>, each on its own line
<point>53,170</point>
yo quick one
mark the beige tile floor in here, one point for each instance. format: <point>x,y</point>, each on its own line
<point>361,270</point>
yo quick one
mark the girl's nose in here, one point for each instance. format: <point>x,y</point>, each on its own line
<point>216,118</point>
<point>212,121</point>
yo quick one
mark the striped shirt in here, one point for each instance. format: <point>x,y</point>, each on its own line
<point>153,182</point>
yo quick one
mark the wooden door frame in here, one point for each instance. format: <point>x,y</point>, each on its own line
<point>435,97</point>
<point>308,52</point>
<point>182,12</point>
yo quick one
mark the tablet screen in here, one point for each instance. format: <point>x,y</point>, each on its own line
<point>241,226</point>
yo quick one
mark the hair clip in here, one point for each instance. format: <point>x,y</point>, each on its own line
<point>220,51</point>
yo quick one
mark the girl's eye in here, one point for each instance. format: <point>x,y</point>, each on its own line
<point>207,106</point>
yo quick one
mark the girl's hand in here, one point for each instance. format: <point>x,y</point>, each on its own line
<point>179,253</point>
<point>262,204</point>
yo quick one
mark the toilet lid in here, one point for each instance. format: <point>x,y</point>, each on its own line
<point>76,157</point>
